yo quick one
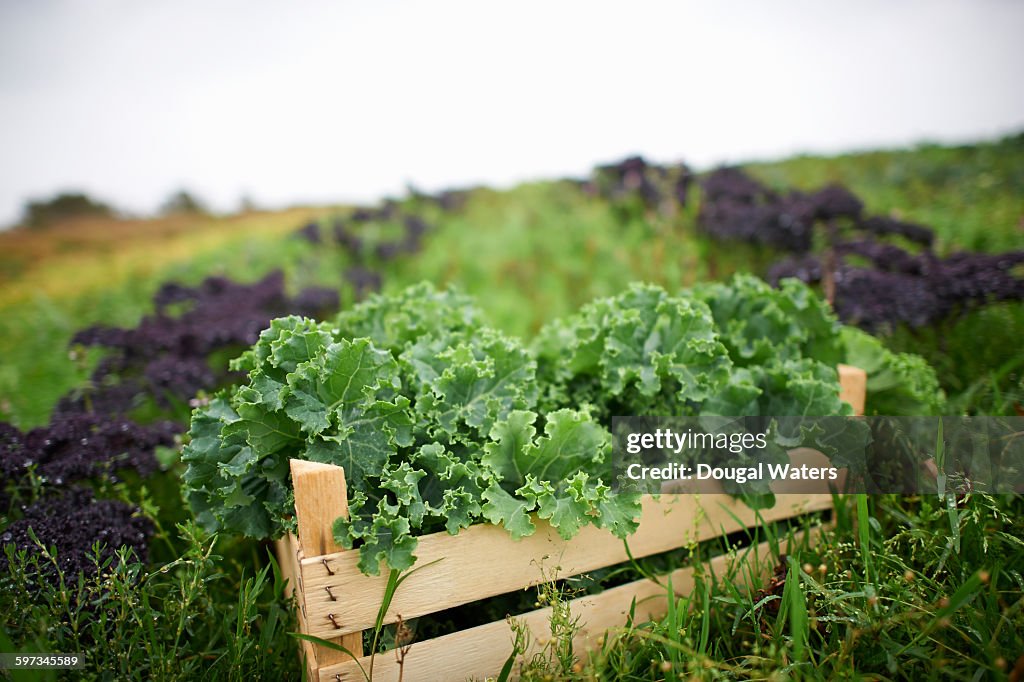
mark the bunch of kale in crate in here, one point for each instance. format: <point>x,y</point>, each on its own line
<point>441,422</point>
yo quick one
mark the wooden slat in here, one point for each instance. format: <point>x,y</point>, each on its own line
<point>287,550</point>
<point>483,560</point>
<point>320,498</point>
<point>288,561</point>
<point>853,387</point>
<point>481,651</point>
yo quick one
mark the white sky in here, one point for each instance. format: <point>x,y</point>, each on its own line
<point>346,101</point>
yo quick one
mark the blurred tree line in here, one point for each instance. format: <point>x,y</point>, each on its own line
<point>63,206</point>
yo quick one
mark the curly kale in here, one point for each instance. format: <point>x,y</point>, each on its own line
<point>441,422</point>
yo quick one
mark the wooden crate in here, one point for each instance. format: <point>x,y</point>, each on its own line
<point>337,602</point>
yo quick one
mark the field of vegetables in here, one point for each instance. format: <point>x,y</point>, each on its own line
<point>462,355</point>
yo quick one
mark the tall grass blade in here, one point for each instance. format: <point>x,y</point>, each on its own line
<point>798,622</point>
<point>864,533</point>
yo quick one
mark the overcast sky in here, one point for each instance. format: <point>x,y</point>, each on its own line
<point>346,101</point>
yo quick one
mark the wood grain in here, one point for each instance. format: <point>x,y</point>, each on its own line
<point>320,498</point>
<point>483,560</point>
<point>853,387</point>
<point>287,550</point>
<point>481,652</point>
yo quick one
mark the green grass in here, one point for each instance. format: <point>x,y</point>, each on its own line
<point>915,610</point>
<point>200,616</point>
<point>898,602</point>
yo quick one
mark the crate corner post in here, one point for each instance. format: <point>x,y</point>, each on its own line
<point>320,497</point>
<point>853,384</point>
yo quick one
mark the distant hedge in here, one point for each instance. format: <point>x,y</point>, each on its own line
<point>46,212</point>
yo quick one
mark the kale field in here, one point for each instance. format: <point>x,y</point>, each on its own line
<point>462,354</point>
